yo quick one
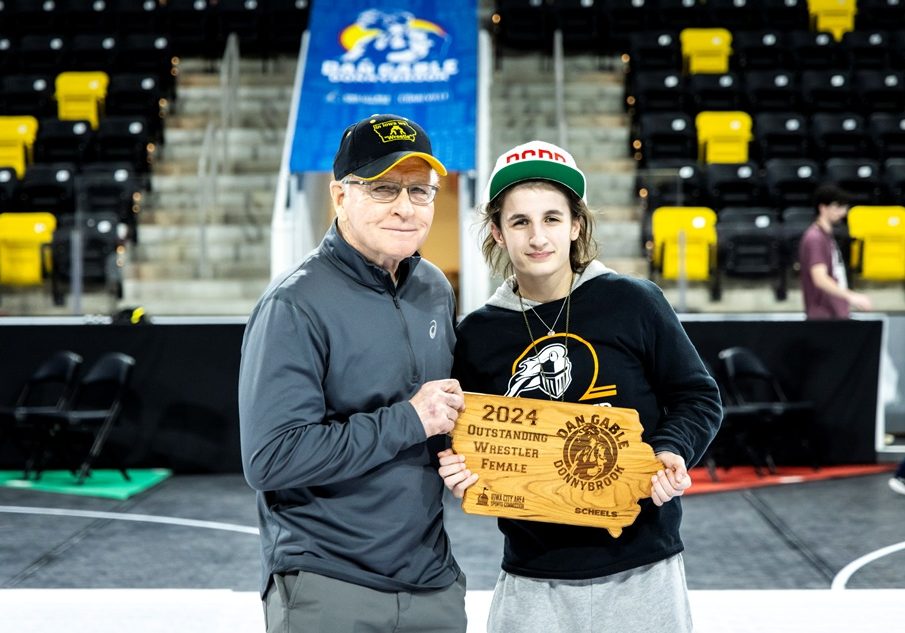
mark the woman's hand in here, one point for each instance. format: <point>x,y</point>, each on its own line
<point>670,482</point>
<point>456,475</point>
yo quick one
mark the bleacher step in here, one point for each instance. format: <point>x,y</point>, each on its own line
<point>197,289</point>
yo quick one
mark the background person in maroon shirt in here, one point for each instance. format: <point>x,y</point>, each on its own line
<point>823,280</point>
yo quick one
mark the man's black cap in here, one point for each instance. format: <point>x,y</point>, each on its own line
<point>375,145</point>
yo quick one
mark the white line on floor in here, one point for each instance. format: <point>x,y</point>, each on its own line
<point>842,578</point>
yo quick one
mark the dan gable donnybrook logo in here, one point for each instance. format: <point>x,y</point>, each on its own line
<point>392,47</point>
<point>590,452</point>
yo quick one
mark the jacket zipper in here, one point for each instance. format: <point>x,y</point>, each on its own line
<point>408,338</point>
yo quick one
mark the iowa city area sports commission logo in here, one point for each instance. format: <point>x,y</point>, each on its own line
<point>590,452</point>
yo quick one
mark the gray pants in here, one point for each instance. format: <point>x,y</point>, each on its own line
<point>649,599</point>
<point>310,603</point>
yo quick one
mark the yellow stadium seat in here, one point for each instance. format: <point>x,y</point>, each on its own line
<point>833,16</point>
<point>81,95</point>
<point>17,138</point>
<point>24,259</point>
<point>706,50</point>
<point>698,225</point>
<point>878,247</point>
<point>723,137</point>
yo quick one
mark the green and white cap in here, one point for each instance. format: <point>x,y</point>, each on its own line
<point>535,160</point>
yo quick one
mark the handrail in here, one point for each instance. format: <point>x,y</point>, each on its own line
<point>214,158</point>
<point>559,79</point>
<point>229,93</point>
<point>209,168</point>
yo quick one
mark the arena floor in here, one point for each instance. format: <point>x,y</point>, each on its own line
<point>824,556</point>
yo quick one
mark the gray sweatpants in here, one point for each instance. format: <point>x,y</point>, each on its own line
<point>311,603</point>
<point>649,599</point>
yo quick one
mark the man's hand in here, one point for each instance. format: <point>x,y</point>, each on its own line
<point>672,481</point>
<point>860,302</point>
<point>438,404</point>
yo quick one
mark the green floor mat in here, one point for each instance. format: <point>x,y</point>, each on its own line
<point>101,483</point>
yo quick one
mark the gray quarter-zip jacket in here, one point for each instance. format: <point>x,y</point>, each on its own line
<point>346,480</point>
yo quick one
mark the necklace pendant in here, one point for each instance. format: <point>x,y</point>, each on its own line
<point>550,333</point>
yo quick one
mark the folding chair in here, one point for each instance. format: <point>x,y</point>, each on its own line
<point>749,382</point>
<point>878,242</point>
<point>81,96</point>
<point>95,408</point>
<point>24,260</point>
<point>706,50</point>
<point>723,137</point>
<point>47,389</point>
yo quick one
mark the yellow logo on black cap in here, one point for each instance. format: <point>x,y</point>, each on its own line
<point>394,130</point>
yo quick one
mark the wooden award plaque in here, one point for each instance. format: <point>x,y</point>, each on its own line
<point>558,462</point>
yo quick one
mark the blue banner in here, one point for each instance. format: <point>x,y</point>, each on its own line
<point>417,59</point>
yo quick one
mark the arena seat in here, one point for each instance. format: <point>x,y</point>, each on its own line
<point>17,137</point>
<point>833,16</point>
<point>878,242</point>
<point>81,96</point>
<point>24,260</point>
<point>723,137</point>
<point>696,227</point>
<point>780,135</point>
<point>749,244</point>
<point>706,50</point>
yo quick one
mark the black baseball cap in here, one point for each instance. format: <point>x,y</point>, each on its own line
<point>373,146</point>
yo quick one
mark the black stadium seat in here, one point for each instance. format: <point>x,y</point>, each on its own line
<point>880,90</point>
<point>655,50</point>
<point>887,134</point>
<point>48,187</point>
<point>791,181</point>
<point>734,185</point>
<point>826,91</point>
<point>738,16</point>
<point>838,134</point>
<point>867,49</point>
<point>894,180</point>
<point>715,91</point>
<point>772,90</point>
<point>63,141</point>
<point>760,50</point>
<point>123,138</point>
<point>814,51</point>
<point>9,190</point>
<point>97,51</point>
<point>780,135</point>
<point>653,91</point>
<point>665,135</point>
<point>749,244</point>
<point>860,177</point>
<point>27,95</point>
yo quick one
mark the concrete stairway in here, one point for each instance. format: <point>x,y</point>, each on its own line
<point>162,273</point>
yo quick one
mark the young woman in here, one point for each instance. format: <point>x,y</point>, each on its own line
<point>563,326</point>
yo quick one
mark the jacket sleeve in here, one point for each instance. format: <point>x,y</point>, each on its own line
<point>688,397</point>
<point>286,438</point>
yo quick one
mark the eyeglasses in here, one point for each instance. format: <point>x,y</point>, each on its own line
<point>387,190</point>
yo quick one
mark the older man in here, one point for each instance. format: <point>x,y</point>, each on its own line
<point>344,398</point>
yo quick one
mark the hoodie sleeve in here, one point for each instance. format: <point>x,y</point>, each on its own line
<point>286,438</point>
<point>688,397</point>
